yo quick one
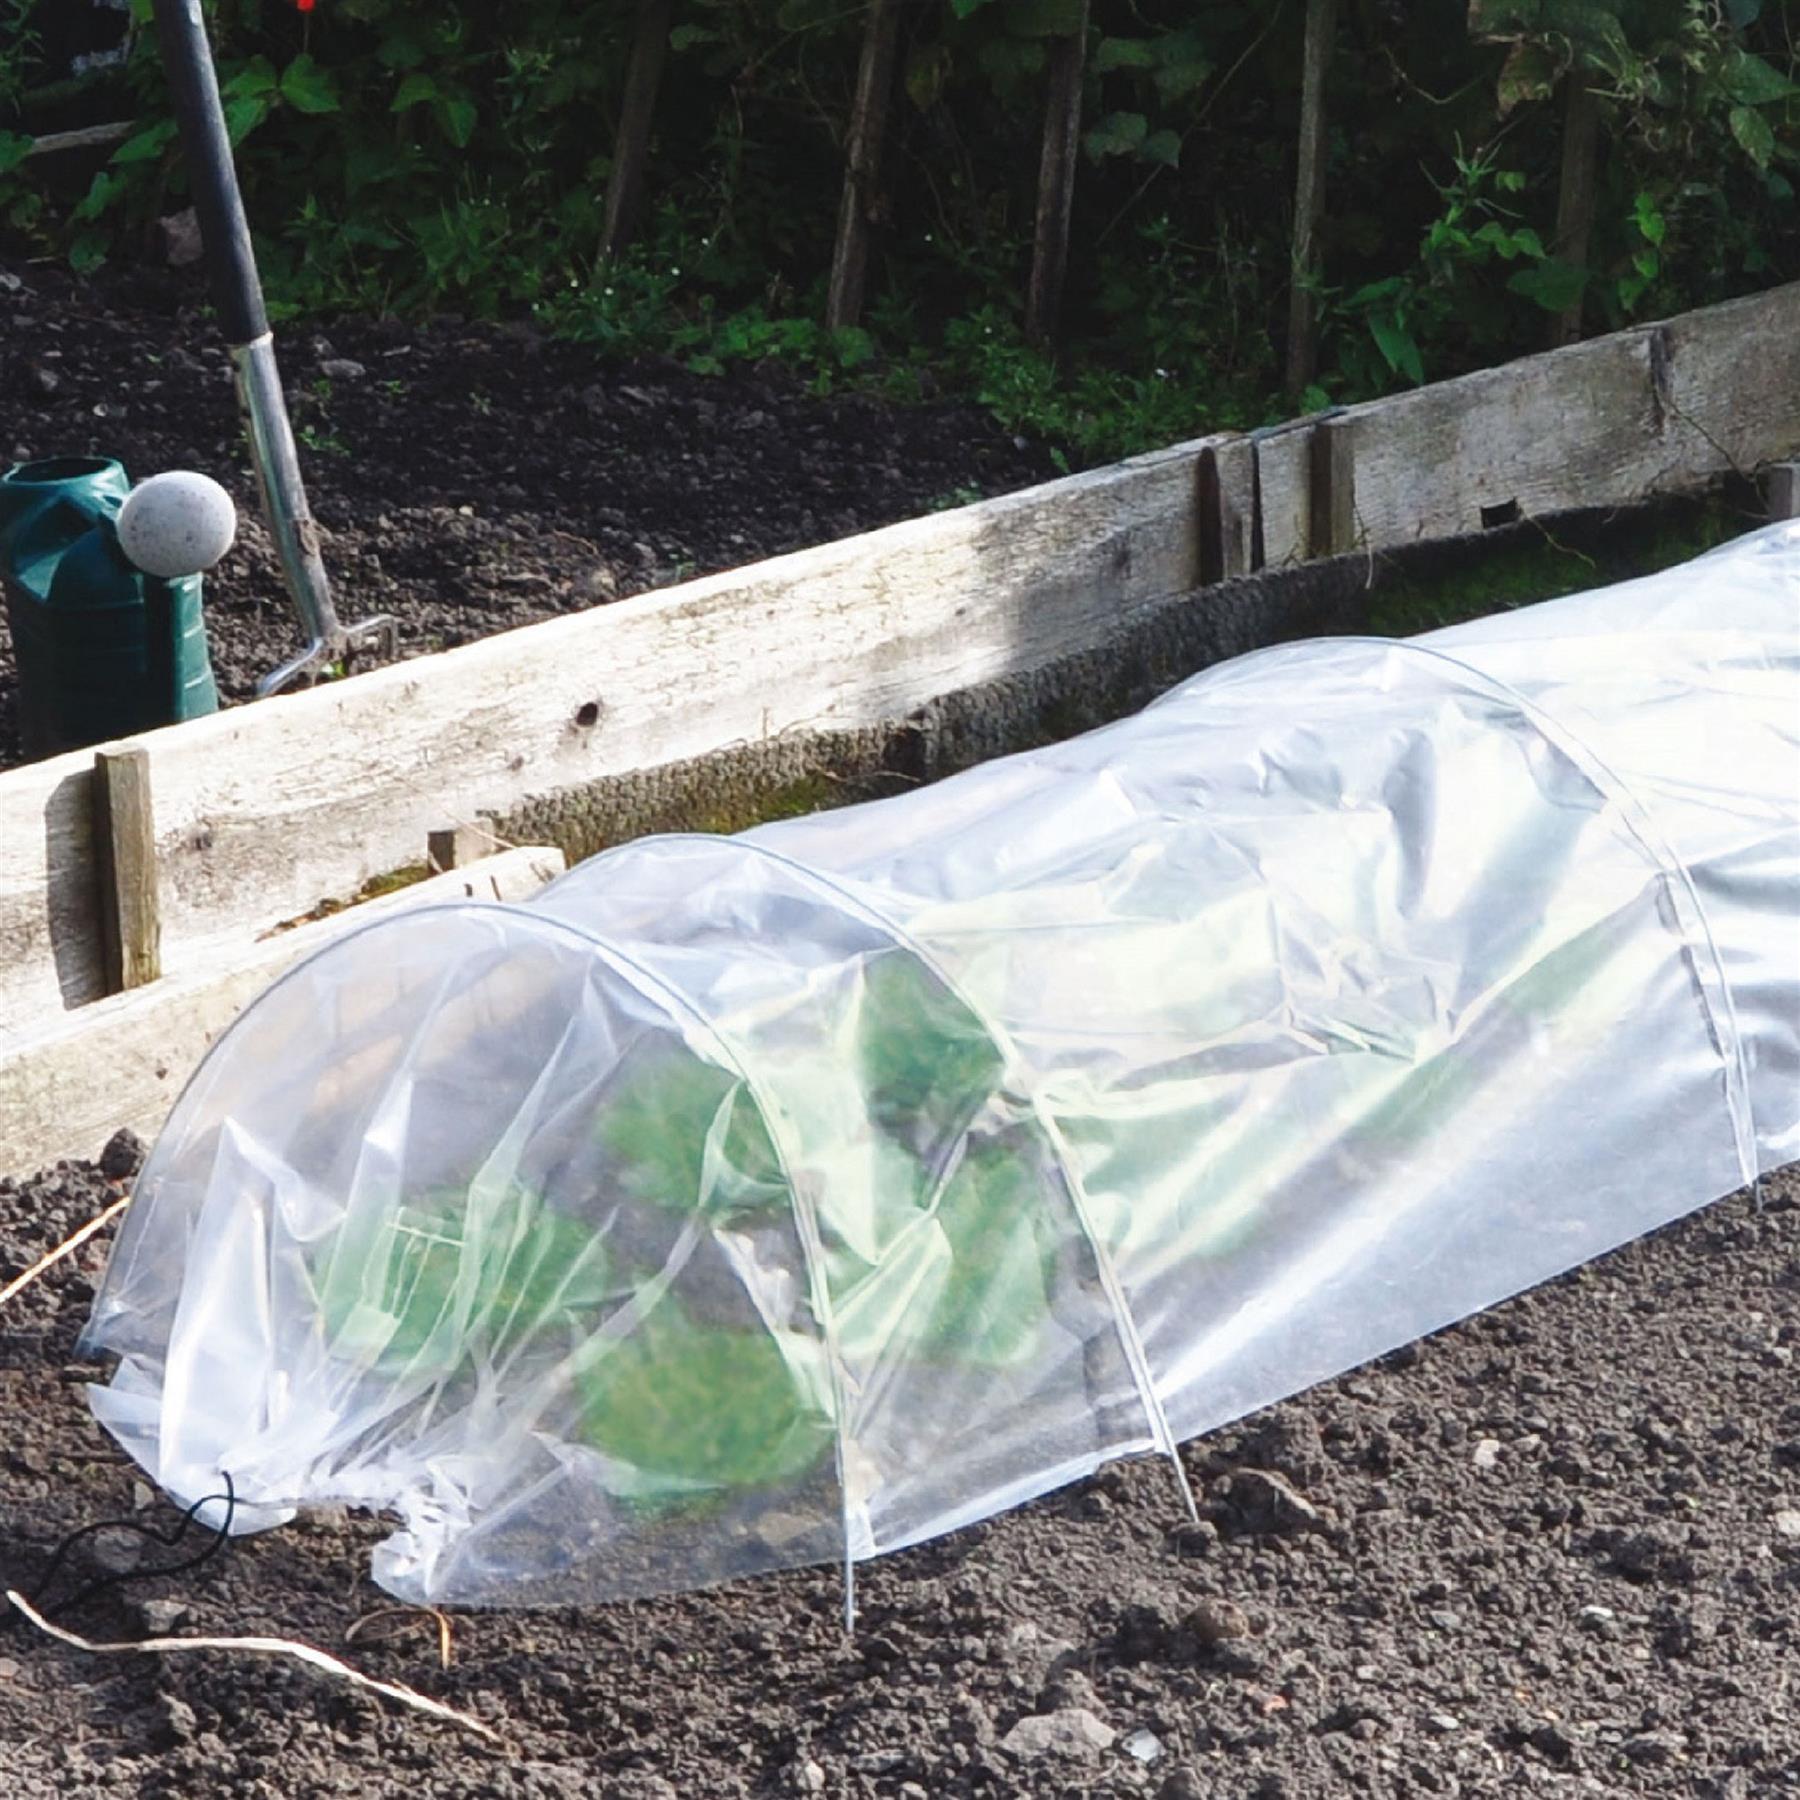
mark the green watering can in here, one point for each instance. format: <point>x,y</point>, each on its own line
<point>103,648</point>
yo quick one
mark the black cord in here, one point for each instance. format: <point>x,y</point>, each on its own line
<point>169,1540</point>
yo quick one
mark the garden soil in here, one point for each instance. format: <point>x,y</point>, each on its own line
<point>1554,1549</point>
<point>468,478</point>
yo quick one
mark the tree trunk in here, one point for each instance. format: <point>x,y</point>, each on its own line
<point>1575,204</point>
<point>1309,196</point>
<point>631,149</point>
<point>862,165</point>
<point>1056,182</point>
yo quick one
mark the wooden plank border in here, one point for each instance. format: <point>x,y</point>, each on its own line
<point>122,1061</point>
<point>263,810</point>
<point>1659,410</point>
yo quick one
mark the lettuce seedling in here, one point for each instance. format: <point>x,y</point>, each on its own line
<point>685,1134</point>
<point>695,1408</point>
<point>445,1281</point>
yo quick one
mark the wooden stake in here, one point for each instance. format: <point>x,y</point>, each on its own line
<point>125,863</point>
<point>631,149</point>
<point>862,165</point>
<point>1575,204</point>
<point>456,846</point>
<point>1309,196</point>
<point>1056,181</point>
<point>1331,514</point>
<point>1783,484</point>
<point>1227,500</point>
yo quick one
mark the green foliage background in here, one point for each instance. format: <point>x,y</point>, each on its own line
<point>455,157</point>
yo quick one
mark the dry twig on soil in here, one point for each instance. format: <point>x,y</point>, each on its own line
<point>20,1282</point>
<point>399,1616</point>
<point>262,1646</point>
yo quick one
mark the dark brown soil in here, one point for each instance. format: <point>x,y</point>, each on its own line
<point>1556,1549</point>
<point>469,478</point>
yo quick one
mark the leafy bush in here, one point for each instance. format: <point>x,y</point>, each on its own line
<point>413,159</point>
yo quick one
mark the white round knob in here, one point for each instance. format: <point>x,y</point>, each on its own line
<point>176,524</point>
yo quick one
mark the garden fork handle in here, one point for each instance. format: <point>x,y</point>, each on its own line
<point>237,293</point>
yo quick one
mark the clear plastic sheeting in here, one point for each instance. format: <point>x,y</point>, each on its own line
<point>750,1202</point>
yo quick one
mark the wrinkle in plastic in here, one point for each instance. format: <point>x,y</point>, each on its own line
<point>756,1202</point>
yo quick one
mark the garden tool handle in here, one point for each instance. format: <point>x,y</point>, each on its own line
<point>237,292</point>
<point>206,149</point>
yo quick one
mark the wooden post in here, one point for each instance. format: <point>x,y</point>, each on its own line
<point>631,149</point>
<point>1227,500</point>
<point>1576,201</point>
<point>1331,510</point>
<point>1056,181</point>
<point>1782,483</point>
<point>125,867</point>
<point>1309,196</point>
<point>862,164</point>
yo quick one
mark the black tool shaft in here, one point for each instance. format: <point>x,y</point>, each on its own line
<point>206,148</point>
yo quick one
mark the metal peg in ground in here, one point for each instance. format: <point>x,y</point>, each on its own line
<point>237,293</point>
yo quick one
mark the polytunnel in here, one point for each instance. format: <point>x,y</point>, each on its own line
<point>758,1201</point>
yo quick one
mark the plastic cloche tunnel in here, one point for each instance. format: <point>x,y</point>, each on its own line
<point>750,1202</point>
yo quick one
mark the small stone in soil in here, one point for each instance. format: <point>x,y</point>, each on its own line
<point>1218,1622</point>
<point>123,1155</point>
<point>179,1719</point>
<point>178,238</point>
<point>116,1551</point>
<point>1553,1741</point>
<point>1067,1690</point>
<point>1142,1746</point>
<point>1198,1538</point>
<point>1653,1747</point>
<point>160,1617</point>
<point>1487,1453</point>
<point>1270,1504</point>
<point>1071,1731</point>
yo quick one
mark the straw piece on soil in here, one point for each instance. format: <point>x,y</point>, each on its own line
<point>262,1646</point>
<point>19,1283</point>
